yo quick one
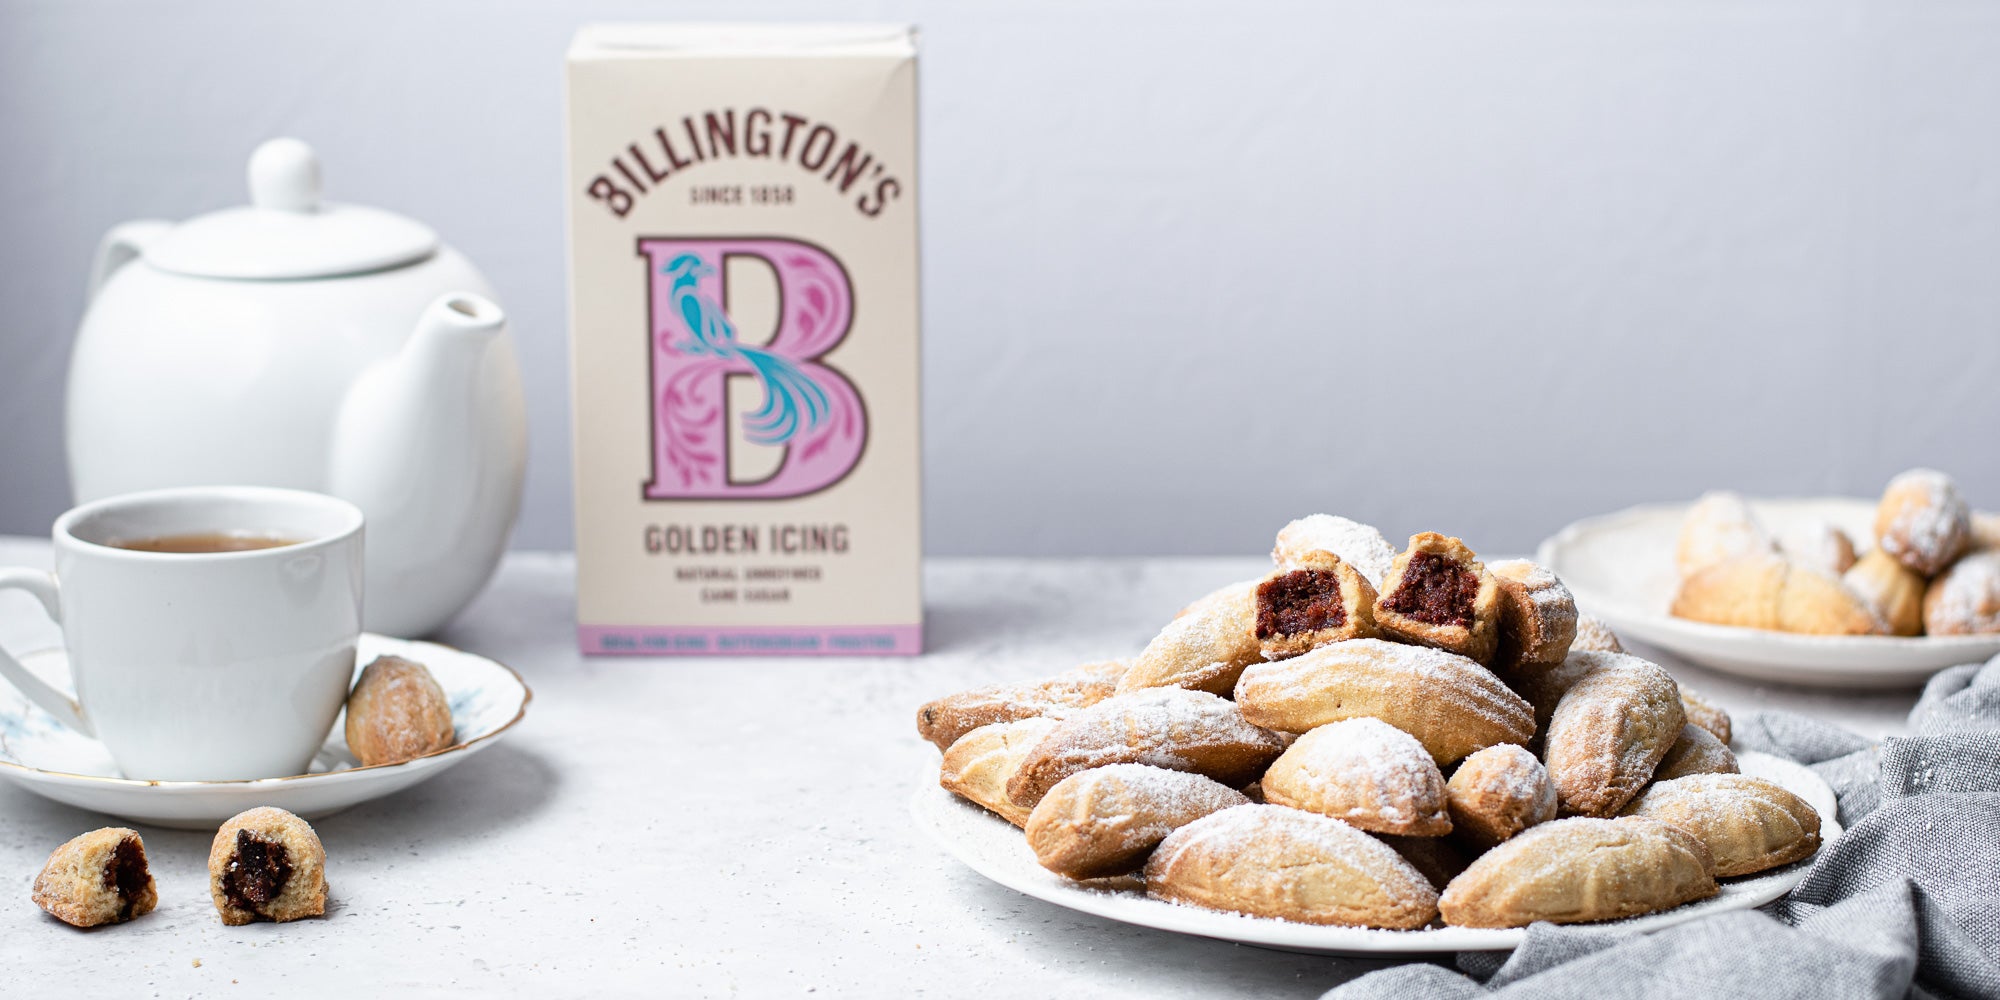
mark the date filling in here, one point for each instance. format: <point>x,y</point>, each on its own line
<point>1435,591</point>
<point>125,874</point>
<point>257,873</point>
<point>1304,600</point>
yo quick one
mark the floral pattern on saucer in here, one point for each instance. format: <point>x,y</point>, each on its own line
<point>39,754</point>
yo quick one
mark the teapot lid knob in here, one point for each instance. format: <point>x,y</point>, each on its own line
<point>284,176</point>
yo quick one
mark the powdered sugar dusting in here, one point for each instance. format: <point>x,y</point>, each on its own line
<point>1360,769</point>
<point>1277,837</point>
<point>1609,731</point>
<point>1357,544</point>
<point>1164,727</point>
<point>1928,521</point>
<point>1818,544</point>
<point>1593,635</point>
<point>1510,772</point>
<point>1966,599</point>
<point>1398,670</point>
<point>1719,526</point>
<point>1162,800</point>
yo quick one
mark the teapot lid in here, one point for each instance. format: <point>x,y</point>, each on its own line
<point>287,232</point>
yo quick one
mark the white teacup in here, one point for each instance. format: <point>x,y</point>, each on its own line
<point>208,665</point>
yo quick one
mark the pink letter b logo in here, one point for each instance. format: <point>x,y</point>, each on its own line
<point>809,410</point>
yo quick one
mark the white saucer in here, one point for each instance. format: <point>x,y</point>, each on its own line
<point>994,848</point>
<point>41,756</point>
<point>1621,568</point>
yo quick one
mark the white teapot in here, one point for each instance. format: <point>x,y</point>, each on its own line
<point>312,345</point>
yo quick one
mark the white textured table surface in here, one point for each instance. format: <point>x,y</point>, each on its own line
<point>689,827</point>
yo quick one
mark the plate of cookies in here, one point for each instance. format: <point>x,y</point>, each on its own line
<point>415,710</point>
<point>1369,751</point>
<point>1824,591</point>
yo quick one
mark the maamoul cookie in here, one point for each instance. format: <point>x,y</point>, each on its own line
<point>1437,593</point>
<point>1704,713</point>
<point>1498,792</point>
<point>267,864</point>
<point>1893,591</point>
<point>1748,824</point>
<point>1769,592</point>
<point>1452,705</point>
<point>1173,728</point>
<point>1537,616</point>
<point>946,719</point>
<point>1105,821</point>
<point>1923,521</point>
<point>1609,732</point>
<point>397,712</point>
<point>1697,751</point>
<point>1357,544</point>
<point>1593,636</point>
<point>1203,650</point>
<point>1817,543</point>
<point>1578,870</point>
<point>1366,772</point>
<point>978,766</point>
<point>1719,527</point>
<point>97,878</point>
<point>1320,600</point>
<point>1965,599</point>
<point>1271,861</point>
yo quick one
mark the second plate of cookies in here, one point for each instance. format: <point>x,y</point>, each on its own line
<point>1623,568</point>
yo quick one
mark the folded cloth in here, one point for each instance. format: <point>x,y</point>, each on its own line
<point>1905,904</point>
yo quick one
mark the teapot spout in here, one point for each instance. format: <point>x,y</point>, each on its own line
<point>430,443</point>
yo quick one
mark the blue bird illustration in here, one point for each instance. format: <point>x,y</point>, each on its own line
<point>793,402</point>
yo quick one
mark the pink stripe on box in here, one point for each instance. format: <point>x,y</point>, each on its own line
<point>753,640</point>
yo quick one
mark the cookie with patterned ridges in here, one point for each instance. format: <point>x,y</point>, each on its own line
<point>1609,732</point>
<point>945,719</point>
<point>1272,861</point>
<point>1748,824</point>
<point>1105,821</point>
<point>1173,728</point>
<point>1538,616</point>
<point>1205,649</point>
<point>1452,705</point>
<point>978,766</point>
<point>1580,870</point>
<point>1365,772</point>
<point>1697,751</point>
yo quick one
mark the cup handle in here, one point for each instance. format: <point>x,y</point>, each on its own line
<point>53,700</point>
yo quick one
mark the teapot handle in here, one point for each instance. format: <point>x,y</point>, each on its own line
<point>121,246</point>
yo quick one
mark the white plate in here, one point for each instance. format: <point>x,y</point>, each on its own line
<point>41,756</point>
<point>1621,569</point>
<point>992,847</point>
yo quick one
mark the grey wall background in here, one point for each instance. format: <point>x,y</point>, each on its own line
<point>1191,270</point>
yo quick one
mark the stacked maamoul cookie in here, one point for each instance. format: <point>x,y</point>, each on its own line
<point>1379,739</point>
<point>1934,568</point>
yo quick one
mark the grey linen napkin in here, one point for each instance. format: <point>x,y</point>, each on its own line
<point>1905,903</point>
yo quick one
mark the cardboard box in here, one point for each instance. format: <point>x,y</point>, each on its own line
<point>744,338</point>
